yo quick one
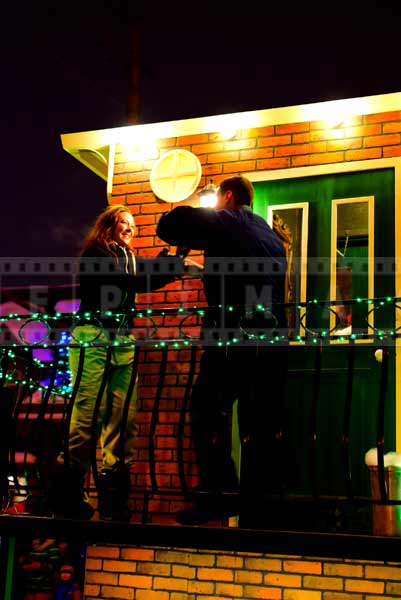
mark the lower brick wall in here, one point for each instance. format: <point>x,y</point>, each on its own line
<point>152,573</point>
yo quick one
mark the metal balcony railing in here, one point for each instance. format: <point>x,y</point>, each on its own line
<point>36,397</point>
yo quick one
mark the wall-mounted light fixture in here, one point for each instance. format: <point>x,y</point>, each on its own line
<point>142,147</point>
<point>228,131</point>
<point>208,195</point>
<point>227,127</point>
<point>333,120</point>
<point>334,113</point>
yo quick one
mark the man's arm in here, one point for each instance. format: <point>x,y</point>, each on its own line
<point>189,227</point>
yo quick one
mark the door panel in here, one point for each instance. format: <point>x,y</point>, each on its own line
<point>320,192</point>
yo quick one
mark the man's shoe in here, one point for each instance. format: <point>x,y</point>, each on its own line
<point>207,507</point>
<point>194,516</point>
<point>115,515</point>
<point>82,511</point>
<point>66,498</point>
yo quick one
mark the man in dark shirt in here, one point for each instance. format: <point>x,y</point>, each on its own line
<point>244,269</point>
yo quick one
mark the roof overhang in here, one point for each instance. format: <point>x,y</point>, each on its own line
<point>95,149</point>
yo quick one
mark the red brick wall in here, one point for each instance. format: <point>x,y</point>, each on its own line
<point>273,147</point>
<point>170,574</point>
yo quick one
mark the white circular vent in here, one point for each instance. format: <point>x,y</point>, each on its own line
<point>176,175</point>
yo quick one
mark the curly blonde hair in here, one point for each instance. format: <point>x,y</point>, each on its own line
<point>102,231</point>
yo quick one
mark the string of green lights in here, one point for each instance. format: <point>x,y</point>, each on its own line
<point>66,341</point>
<point>141,313</point>
<point>191,309</point>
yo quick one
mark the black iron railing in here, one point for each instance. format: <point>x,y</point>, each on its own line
<point>35,393</point>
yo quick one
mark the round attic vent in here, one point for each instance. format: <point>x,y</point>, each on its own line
<point>176,175</point>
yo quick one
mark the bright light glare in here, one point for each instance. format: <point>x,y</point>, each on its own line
<point>140,148</point>
<point>335,112</point>
<point>208,200</point>
<point>228,131</point>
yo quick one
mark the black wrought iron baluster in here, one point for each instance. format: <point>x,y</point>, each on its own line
<point>154,418</point>
<point>127,405</point>
<point>12,434</point>
<point>56,393</point>
<point>24,384</point>
<point>6,414</point>
<point>95,415</point>
<point>43,414</point>
<point>50,388</point>
<point>345,440</point>
<point>70,405</point>
<point>314,409</point>
<point>23,391</point>
<point>281,443</point>
<point>181,423</point>
<point>380,420</point>
<point>66,403</point>
<point>4,363</point>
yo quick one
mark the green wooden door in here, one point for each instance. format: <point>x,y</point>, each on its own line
<point>320,192</point>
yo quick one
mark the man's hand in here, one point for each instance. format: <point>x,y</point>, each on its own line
<point>192,267</point>
<point>191,262</point>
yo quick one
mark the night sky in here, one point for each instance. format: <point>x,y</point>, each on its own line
<point>65,73</point>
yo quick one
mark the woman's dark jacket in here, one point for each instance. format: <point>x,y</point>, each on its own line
<point>110,283</point>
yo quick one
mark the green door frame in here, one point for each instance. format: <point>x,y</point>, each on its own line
<point>349,167</point>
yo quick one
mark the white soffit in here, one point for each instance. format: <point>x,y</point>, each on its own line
<point>92,147</point>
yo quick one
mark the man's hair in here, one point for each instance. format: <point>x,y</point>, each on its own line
<point>241,188</point>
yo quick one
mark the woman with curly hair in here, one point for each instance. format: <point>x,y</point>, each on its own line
<point>110,277</point>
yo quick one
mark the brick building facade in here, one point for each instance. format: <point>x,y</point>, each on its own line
<point>326,135</point>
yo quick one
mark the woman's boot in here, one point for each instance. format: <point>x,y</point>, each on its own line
<point>113,493</point>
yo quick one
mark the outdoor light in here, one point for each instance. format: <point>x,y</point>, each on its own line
<point>228,126</point>
<point>142,147</point>
<point>336,112</point>
<point>207,195</point>
<point>334,120</point>
<point>228,132</point>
